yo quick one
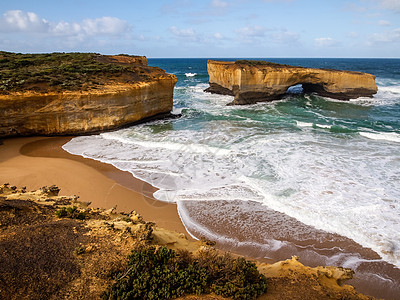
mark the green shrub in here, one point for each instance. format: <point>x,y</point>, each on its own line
<point>161,273</point>
<point>80,250</point>
<point>58,71</point>
<point>71,212</point>
<point>260,63</point>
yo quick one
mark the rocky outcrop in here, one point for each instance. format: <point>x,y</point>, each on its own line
<point>257,81</point>
<point>123,100</point>
<point>74,249</point>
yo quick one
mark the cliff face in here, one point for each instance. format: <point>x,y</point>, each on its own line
<point>252,81</point>
<point>76,113</point>
<point>107,106</point>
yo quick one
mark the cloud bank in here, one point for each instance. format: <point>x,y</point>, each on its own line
<point>27,31</point>
<point>29,22</point>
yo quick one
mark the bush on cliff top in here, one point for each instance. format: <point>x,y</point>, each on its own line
<point>59,71</point>
<point>260,63</point>
<point>70,212</point>
<point>162,273</point>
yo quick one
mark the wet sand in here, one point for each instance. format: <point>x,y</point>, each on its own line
<point>37,161</point>
<point>254,230</point>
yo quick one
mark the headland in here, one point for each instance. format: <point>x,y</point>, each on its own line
<point>79,93</point>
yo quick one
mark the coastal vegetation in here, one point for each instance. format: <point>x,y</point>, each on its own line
<point>161,273</point>
<point>65,71</point>
<point>116,255</point>
<point>47,252</point>
<point>260,63</point>
<point>71,212</point>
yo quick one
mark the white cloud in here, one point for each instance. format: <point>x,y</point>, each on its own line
<point>356,8</point>
<point>104,25</point>
<point>27,31</point>
<point>218,36</point>
<point>186,34</point>
<point>174,7</point>
<point>383,23</point>
<point>284,36</point>
<point>385,37</point>
<point>65,28</point>
<point>278,1</point>
<point>219,4</point>
<point>19,21</point>
<point>260,33</point>
<point>364,7</point>
<point>252,31</point>
<point>352,34</point>
<point>391,5</point>
<point>325,42</point>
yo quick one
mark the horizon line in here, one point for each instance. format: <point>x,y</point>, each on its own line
<point>273,57</point>
<point>210,57</point>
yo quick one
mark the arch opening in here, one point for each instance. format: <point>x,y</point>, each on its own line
<point>295,89</point>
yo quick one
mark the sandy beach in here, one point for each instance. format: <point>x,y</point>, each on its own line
<point>37,161</point>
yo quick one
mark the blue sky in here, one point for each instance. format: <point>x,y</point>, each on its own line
<point>211,28</point>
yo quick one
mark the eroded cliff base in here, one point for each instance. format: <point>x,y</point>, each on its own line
<point>259,81</point>
<point>79,93</point>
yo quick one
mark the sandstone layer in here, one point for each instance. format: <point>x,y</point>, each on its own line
<point>258,81</point>
<point>128,94</point>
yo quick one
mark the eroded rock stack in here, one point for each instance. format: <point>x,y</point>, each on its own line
<point>257,81</point>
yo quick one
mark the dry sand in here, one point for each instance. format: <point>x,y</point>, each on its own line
<point>37,161</point>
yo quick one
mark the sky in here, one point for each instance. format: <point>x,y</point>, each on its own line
<point>203,28</point>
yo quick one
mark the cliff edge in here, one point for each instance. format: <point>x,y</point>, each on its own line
<point>79,93</point>
<point>56,247</point>
<point>258,81</point>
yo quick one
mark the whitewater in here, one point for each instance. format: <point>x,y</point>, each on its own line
<point>331,165</point>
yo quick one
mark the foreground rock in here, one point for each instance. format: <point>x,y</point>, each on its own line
<point>79,93</point>
<point>258,81</point>
<point>55,247</point>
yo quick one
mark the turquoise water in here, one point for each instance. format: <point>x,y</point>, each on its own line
<point>329,165</point>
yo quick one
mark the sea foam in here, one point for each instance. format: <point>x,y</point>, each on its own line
<point>385,136</point>
<point>333,180</point>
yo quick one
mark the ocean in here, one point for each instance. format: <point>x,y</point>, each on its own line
<point>305,175</point>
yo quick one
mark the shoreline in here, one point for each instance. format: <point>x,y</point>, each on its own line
<point>34,161</point>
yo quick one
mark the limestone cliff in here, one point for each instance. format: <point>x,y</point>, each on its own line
<point>257,81</point>
<point>112,92</point>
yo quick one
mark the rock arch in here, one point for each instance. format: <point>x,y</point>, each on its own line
<point>257,81</point>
